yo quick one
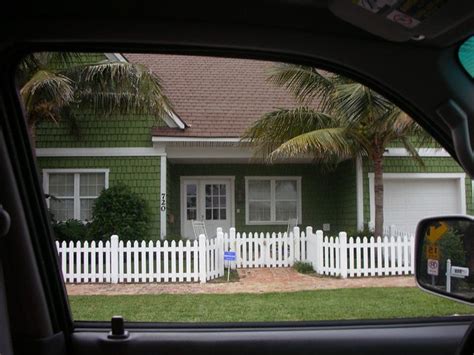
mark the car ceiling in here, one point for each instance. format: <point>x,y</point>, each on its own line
<point>419,76</point>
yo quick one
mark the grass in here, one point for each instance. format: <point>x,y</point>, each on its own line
<point>361,303</point>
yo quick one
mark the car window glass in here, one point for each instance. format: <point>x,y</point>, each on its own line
<point>204,189</point>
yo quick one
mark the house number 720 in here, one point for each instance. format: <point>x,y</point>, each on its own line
<point>163,202</point>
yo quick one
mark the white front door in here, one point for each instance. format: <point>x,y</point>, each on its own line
<point>206,199</point>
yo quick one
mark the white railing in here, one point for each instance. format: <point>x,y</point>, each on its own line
<point>118,261</point>
<point>203,259</point>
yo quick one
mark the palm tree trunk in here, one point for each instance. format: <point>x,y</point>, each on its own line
<point>378,193</point>
<point>32,132</point>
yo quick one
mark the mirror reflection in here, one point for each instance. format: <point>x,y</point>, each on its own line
<point>445,260</point>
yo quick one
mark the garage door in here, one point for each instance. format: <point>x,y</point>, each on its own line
<point>406,201</point>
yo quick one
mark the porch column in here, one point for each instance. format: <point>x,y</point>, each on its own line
<point>360,193</point>
<point>163,197</point>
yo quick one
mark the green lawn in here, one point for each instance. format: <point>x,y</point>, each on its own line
<point>362,303</point>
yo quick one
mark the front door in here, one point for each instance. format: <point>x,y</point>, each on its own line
<point>208,200</point>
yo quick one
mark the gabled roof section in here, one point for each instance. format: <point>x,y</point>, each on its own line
<point>217,97</point>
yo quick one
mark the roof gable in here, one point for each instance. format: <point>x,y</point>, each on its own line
<point>216,97</point>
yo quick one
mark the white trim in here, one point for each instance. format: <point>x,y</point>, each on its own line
<point>390,152</point>
<point>175,152</point>
<point>116,57</point>
<point>198,179</point>
<point>360,193</point>
<point>391,176</point>
<point>76,172</point>
<point>422,152</point>
<point>195,139</point>
<point>217,153</point>
<point>97,152</point>
<point>272,201</point>
<point>163,197</point>
<point>176,120</point>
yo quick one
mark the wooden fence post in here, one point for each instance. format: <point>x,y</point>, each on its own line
<point>114,242</point>
<point>232,247</point>
<point>343,253</point>
<point>202,259</point>
<point>319,251</point>
<point>220,251</point>
<point>310,247</point>
<point>296,245</point>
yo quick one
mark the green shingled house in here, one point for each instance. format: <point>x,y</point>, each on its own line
<point>193,165</point>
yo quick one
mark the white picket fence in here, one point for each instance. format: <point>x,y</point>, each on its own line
<point>335,256</point>
<point>255,250</point>
<point>203,259</point>
<point>353,257</point>
<point>118,261</point>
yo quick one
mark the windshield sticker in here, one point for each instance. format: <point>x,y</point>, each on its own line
<point>408,13</point>
<point>376,5</point>
<point>403,19</point>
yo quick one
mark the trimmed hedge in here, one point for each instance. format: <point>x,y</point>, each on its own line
<point>118,210</point>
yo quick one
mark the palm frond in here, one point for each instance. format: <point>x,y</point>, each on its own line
<point>325,145</point>
<point>274,128</point>
<point>304,82</point>
<point>412,151</point>
<point>357,102</point>
<point>46,86</point>
<point>118,87</point>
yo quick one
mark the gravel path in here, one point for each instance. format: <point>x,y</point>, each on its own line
<point>251,281</point>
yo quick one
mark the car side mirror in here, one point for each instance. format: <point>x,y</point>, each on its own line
<point>444,257</point>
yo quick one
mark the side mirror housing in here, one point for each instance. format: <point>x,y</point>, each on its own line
<point>444,257</point>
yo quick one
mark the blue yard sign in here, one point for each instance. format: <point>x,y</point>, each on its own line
<point>229,255</point>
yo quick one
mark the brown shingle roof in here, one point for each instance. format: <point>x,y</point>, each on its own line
<point>216,97</point>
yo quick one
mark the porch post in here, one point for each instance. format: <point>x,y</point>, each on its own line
<point>163,197</point>
<point>359,193</point>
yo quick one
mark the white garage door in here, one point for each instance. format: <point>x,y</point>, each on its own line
<point>406,201</point>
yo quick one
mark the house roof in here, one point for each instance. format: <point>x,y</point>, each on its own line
<point>215,97</point>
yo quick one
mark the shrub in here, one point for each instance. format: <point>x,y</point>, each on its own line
<point>118,210</point>
<point>71,229</point>
<point>303,267</point>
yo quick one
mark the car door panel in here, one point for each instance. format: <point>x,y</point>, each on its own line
<point>422,338</point>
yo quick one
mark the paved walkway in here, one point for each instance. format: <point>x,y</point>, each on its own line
<point>251,281</point>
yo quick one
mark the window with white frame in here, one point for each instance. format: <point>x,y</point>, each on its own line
<point>272,199</point>
<point>72,193</point>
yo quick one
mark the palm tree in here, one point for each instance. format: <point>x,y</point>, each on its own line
<point>55,86</point>
<point>338,120</point>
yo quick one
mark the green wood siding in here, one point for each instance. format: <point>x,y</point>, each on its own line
<point>113,131</point>
<point>327,197</point>
<point>142,174</point>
